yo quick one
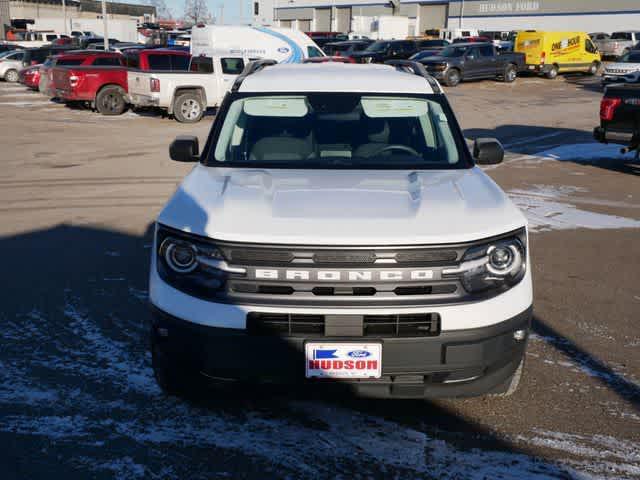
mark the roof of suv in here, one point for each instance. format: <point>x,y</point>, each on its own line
<point>334,77</point>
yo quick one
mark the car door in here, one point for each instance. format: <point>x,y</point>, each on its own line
<point>488,62</point>
<point>210,78</point>
<point>473,63</point>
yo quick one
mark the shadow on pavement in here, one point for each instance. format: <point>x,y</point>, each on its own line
<point>531,140</point>
<point>78,399</point>
<point>588,363</point>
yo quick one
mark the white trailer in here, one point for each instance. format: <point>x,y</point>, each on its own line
<point>283,45</point>
<point>385,27</point>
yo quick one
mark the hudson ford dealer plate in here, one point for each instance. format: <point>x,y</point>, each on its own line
<point>343,360</point>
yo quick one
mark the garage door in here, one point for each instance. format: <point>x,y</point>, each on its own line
<point>343,16</point>
<point>432,16</point>
<point>304,25</point>
<point>286,23</point>
<point>323,20</point>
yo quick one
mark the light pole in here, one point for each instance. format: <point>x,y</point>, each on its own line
<point>461,14</point>
<point>64,15</point>
<point>105,26</point>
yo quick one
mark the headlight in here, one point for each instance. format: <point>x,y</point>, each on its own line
<point>191,264</point>
<point>496,265</point>
<point>181,257</point>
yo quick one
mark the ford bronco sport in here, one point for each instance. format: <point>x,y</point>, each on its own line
<point>336,230</point>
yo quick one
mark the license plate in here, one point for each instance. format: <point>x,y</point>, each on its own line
<point>343,360</point>
<point>532,67</point>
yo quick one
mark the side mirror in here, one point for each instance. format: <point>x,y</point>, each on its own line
<point>488,151</point>
<point>184,148</point>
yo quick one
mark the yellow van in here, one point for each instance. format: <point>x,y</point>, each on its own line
<point>550,53</point>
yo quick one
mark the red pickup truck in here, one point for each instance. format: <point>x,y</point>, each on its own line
<point>105,87</point>
<point>75,58</point>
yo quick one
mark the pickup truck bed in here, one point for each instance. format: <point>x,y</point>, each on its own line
<point>620,116</point>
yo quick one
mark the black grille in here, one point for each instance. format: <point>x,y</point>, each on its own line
<point>283,324</point>
<point>259,256</point>
<point>426,256</point>
<point>345,257</point>
<point>411,325</point>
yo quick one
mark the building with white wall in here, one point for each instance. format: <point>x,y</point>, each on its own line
<point>263,12</point>
<point>339,15</point>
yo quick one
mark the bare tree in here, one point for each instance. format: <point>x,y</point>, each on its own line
<point>161,9</point>
<point>196,11</point>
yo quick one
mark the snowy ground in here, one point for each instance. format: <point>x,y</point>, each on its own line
<point>78,387</point>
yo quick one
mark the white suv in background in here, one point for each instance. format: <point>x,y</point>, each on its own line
<point>336,231</point>
<point>10,66</point>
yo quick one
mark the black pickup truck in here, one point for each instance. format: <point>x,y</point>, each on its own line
<point>474,61</point>
<point>620,117</point>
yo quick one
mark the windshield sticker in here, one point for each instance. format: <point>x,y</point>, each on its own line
<point>276,107</point>
<point>393,107</point>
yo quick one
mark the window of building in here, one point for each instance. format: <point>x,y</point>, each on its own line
<point>256,8</point>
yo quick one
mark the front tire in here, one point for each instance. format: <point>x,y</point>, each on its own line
<point>452,78</point>
<point>510,74</point>
<point>11,76</point>
<point>552,73</point>
<point>110,101</point>
<point>188,108</point>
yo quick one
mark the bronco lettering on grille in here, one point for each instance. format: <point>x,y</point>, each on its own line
<point>343,275</point>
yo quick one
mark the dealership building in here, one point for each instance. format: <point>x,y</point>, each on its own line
<point>495,15</point>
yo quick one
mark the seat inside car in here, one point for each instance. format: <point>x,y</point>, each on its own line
<point>281,139</point>
<point>377,137</point>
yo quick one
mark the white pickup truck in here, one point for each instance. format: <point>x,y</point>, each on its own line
<point>186,94</point>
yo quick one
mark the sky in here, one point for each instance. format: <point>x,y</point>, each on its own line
<point>232,9</point>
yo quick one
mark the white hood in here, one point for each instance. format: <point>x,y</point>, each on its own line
<point>340,207</point>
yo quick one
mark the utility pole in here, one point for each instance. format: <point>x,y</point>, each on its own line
<point>105,26</point>
<point>222,14</point>
<point>64,15</point>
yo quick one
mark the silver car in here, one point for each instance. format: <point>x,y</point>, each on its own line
<point>619,43</point>
<point>10,65</point>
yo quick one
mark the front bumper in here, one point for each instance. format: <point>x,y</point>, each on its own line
<point>452,364</point>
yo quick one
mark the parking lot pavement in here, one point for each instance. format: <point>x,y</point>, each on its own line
<point>77,398</point>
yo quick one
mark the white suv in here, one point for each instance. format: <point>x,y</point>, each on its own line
<point>336,227</point>
<point>10,66</point>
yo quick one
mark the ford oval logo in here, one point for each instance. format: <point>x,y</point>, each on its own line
<point>359,354</point>
<point>283,50</point>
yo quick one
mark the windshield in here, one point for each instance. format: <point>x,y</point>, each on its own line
<point>631,57</point>
<point>337,131</point>
<point>454,51</point>
<point>377,47</point>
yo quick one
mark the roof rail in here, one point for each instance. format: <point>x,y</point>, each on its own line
<point>417,69</point>
<point>250,69</point>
